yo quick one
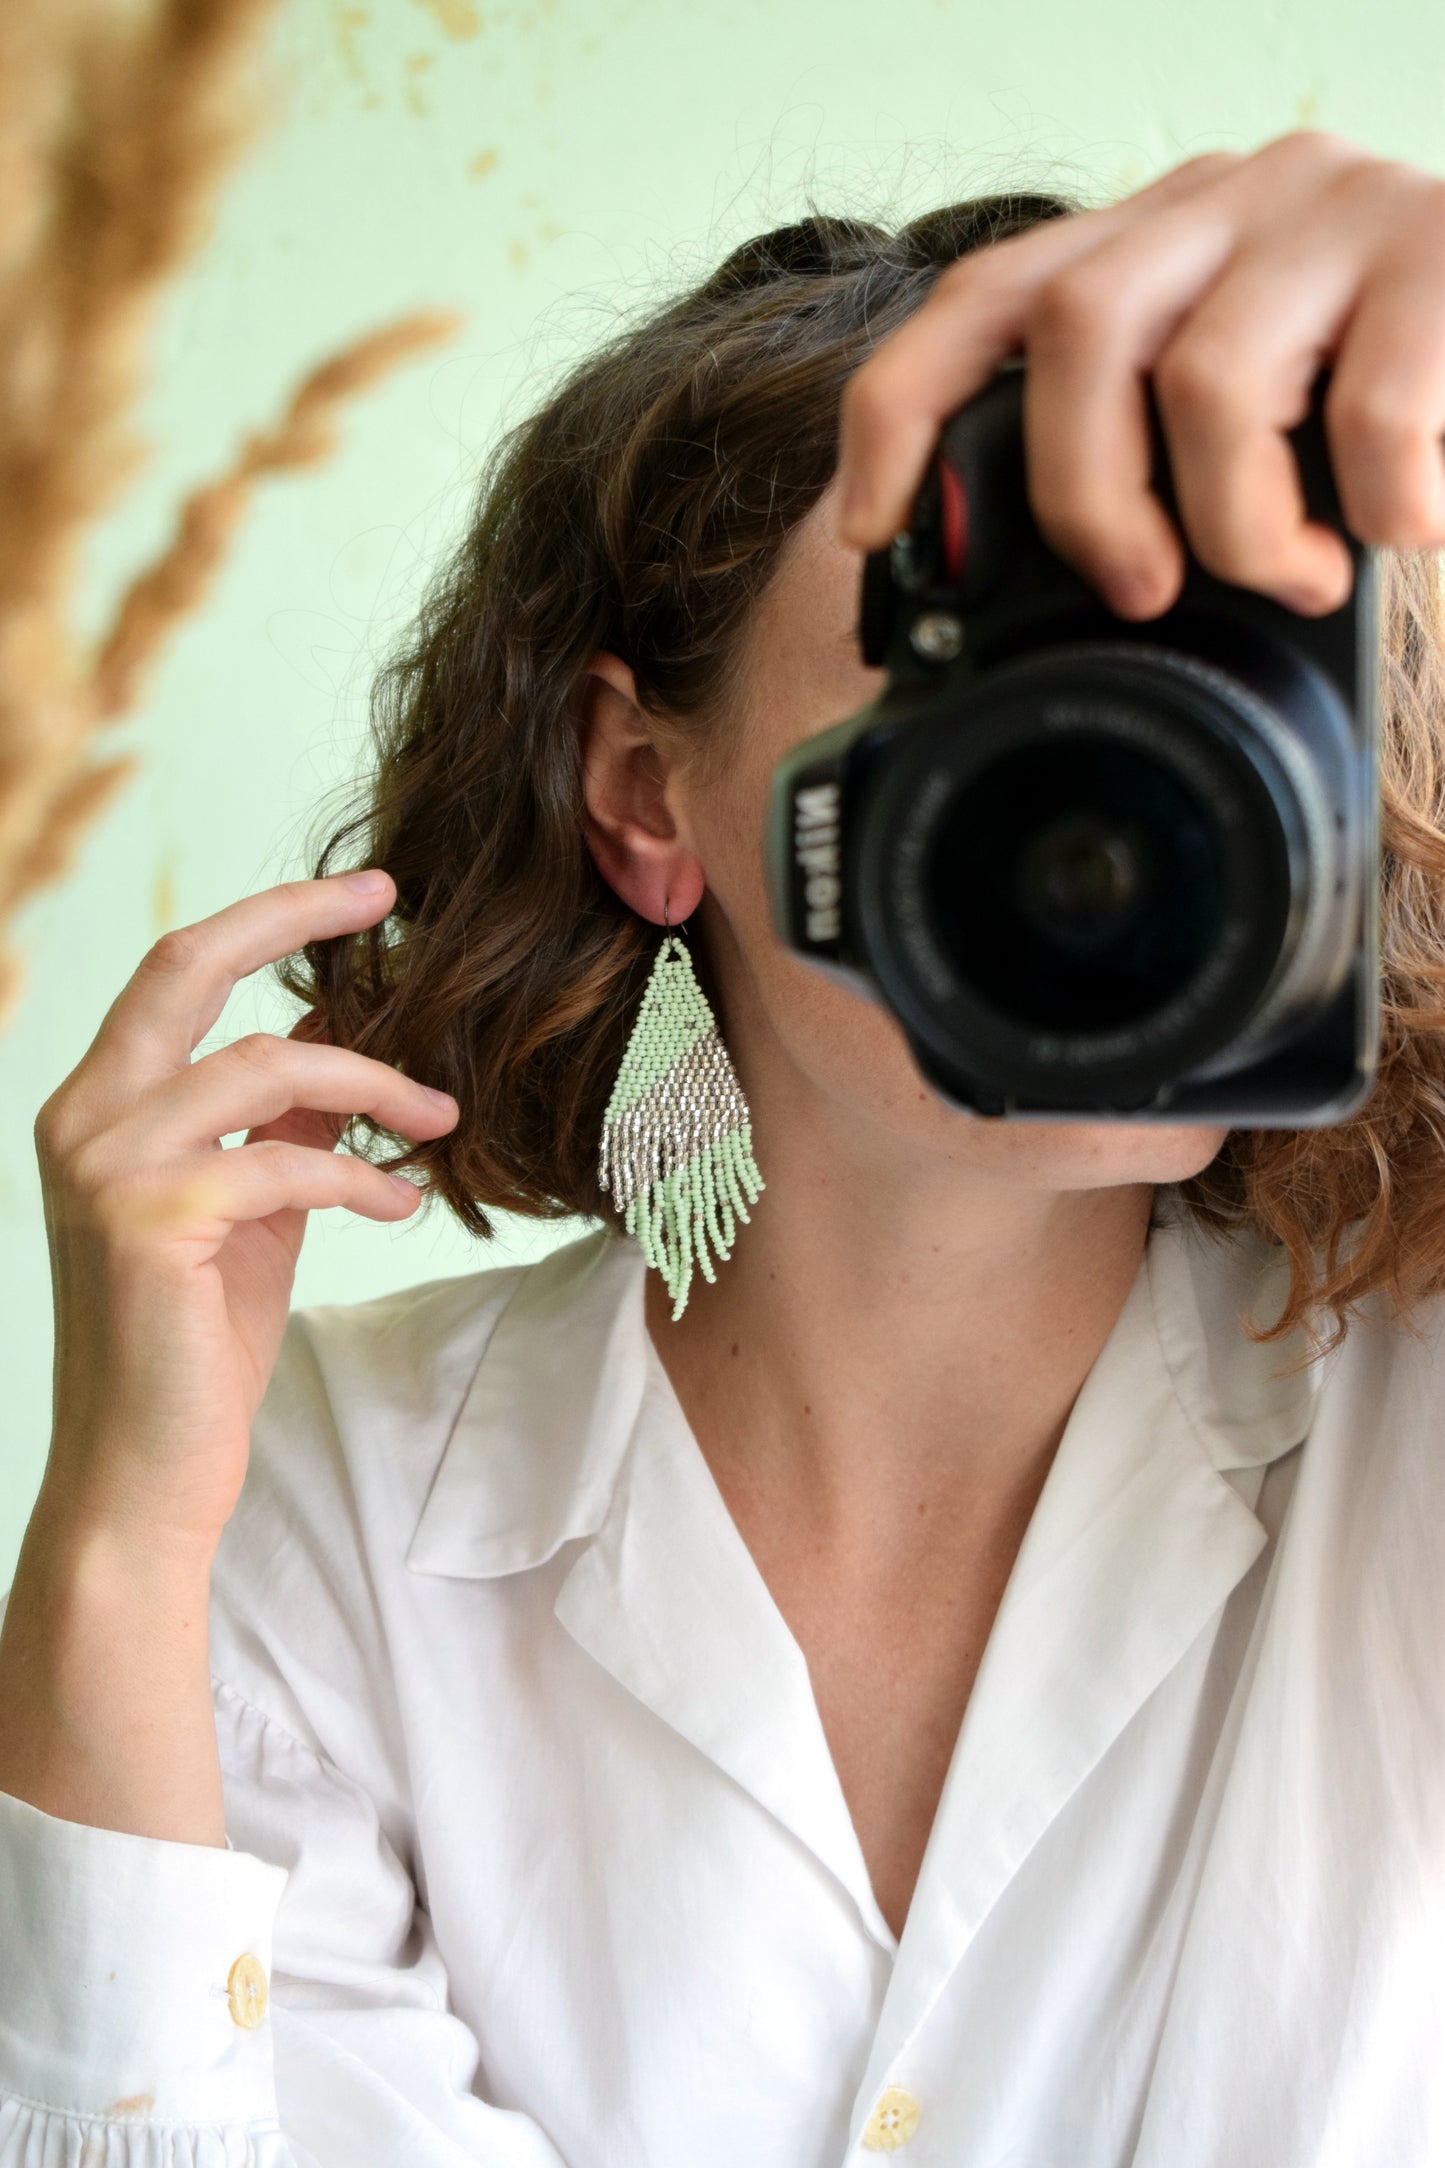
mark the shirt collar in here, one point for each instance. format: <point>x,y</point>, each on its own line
<point>544,1428</point>
<point>535,1450</point>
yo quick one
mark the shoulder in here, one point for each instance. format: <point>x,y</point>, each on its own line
<point>1381,1404</point>
<point>1364,1544</point>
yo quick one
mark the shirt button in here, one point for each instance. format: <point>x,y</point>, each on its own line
<point>246,1991</point>
<point>893,2121</point>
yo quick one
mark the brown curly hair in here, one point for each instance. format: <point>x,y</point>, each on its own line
<point>641,509</point>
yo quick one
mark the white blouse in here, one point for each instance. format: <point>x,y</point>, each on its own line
<point>537,1854</point>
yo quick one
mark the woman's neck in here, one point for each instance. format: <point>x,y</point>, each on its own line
<point>892,1331</point>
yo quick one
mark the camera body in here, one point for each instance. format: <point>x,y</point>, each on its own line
<point>1096,868</point>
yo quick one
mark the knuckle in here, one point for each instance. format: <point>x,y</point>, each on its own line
<point>177,951</point>
<point>285,1160</point>
<point>54,1128</point>
<point>1194,381</point>
<point>1310,147</point>
<point>1358,176</point>
<point>982,278</point>
<point>1204,163</point>
<point>1069,308</point>
<point>258,1050</point>
<point>970,269</point>
<point>1367,418</point>
<point>88,1170</point>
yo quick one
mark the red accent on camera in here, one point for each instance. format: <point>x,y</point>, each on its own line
<point>954,506</point>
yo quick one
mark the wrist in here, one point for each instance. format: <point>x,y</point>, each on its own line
<point>105,1696</point>
<point>98,1536</point>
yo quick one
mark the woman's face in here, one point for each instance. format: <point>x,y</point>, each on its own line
<point>787,1021</point>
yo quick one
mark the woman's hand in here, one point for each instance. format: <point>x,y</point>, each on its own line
<point>172,1258</point>
<point>1229,282</point>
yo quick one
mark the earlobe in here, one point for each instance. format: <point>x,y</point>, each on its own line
<point>629,823</point>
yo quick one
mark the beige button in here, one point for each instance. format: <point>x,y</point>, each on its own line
<point>893,2121</point>
<point>246,1991</point>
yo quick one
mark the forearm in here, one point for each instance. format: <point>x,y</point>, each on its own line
<point>105,1696</point>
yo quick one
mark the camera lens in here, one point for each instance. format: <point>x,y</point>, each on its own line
<point>1106,863</point>
<point>1076,886</point>
<point>1078,877</point>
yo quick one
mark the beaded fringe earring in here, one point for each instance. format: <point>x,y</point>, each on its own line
<point>677,1141</point>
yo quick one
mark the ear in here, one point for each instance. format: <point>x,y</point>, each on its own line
<point>638,844</point>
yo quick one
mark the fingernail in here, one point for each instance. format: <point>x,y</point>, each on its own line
<point>443,1099</point>
<point>370,883</point>
<point>408,1189</point>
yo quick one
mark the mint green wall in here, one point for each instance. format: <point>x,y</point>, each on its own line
<point>541,164</point>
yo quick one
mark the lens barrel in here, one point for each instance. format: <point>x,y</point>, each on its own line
<point>1110,863</point>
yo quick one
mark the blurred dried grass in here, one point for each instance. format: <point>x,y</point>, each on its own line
<point>117,126</point>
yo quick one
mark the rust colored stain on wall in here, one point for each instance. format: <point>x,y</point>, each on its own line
<point>417,65</point>
<point>346,23</point>
<point>454,18</point>
<point>163,894</point>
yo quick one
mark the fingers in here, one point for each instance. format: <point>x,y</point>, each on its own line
<point>893,406</point>
<point>131,1140</point>
<point>1227,285</point>
<point>1230,388</point>
<point>1238,375</point>
<point>1230,376</point>
<point>252,1082</point>
<point>1385,408</point>
<point>184,982</point>
<point>976,315</point>
<point>1088,483</point>
<point>197,1202</point>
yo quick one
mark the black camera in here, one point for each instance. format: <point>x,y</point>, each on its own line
<point>1096,867</point>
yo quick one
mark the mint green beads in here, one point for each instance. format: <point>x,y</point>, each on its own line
<point>677,1151</point>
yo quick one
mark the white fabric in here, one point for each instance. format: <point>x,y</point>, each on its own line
<point>535,1830</point>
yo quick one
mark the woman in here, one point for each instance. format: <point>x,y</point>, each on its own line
<point>956,1681</point>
